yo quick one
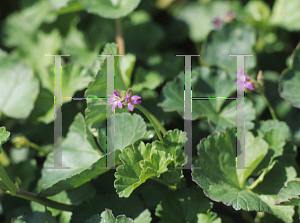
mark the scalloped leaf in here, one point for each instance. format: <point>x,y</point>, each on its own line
<point>207,83</point>
<point>185,205</point>
<point>111,9</point>
<point>289,194</point>
<point>140,163</point>
<point>108,217</point>
<point>77,144</point>
<point>128,128</point>
<point>232,38</point>
<point>225,185</point>
<point>289,82</point>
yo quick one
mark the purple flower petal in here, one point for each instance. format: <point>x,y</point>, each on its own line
<point>130,106</point>
<point>241,88</point>
<point>120,104</point>
<point>249,86</point>
<point>135,97</point>
<point>136,102</point>
<point>239,82</point>
<point>110,100</point>
<point>114,106</point>
<point>116,93</point>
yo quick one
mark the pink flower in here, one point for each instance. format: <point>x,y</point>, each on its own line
<point>132,100</point>
<point>116,99</point>
<point>244,82</point>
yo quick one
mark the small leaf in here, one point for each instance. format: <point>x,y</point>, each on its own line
<point>289,82</point>
<point>4,137</point>
<point>110,9</point>
<point>127,129</point>
<point>108,217</point>
<point>36,217</point>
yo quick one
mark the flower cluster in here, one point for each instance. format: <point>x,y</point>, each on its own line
<point>227,17</point>
<point>123,98</point>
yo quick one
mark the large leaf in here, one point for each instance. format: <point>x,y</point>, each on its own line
<point>289,82</point>
<point>207,83</point>
<point>290,194</point>
<point>141,162</point>
<point>185,205</point>
<point>77,144</point>
<point>127,129</point>
<point>285,14</point>
<point>19,88</point>
<point>230,39</point>
<point>110,9</point>
<point>107,216</point>
<point>218,151</point>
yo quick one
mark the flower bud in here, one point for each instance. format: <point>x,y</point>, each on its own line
<point>20,142</point>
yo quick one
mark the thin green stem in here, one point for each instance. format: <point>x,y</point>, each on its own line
<point>269,106</point>
<point>147,114</point>
<point>7,181</point>
<point>7,184</point>
<point>164,183</point>
<point>44,201</point>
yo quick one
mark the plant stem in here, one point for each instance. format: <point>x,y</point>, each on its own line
<point>119,37</point>
<point>164,183</point>
<point>7,181</point>
<point>44,201</point>
<point>147,114</point>
<point>8,185</point>
<point>269,106</point>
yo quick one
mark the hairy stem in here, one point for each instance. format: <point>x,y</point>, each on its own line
<point>119,37</point>
<point>7,181</point>
<point>269,106</point>
<point>147,114</point>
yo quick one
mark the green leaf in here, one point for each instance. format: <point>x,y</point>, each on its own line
<point>131,206</point>
<point>284,213</point>
<point>290,194</point>
<point>36,217</point>
<point>146,80</point>
<point>285,14</point>
<point>127,63</point>
<point>258,11</point>
<point>82,170</point>
<point>58,4</point>
<point>218,151</point>
<point>289,82</point>
<point>21,26</point>
<point>127,129</point>
<point>75,45</point>
<point>199,17</point>
<point>144,217</point>
<point>107,216</point>
<point>141,162</point>
<point>107,9</point>
<point>183,205</point>
<point>4,137</point>
<point>19,88</point>
<point>207,83</point>
<point>230,39</point>
<point>174,141</point>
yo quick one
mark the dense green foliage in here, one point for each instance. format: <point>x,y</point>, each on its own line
<point>147,185</point>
